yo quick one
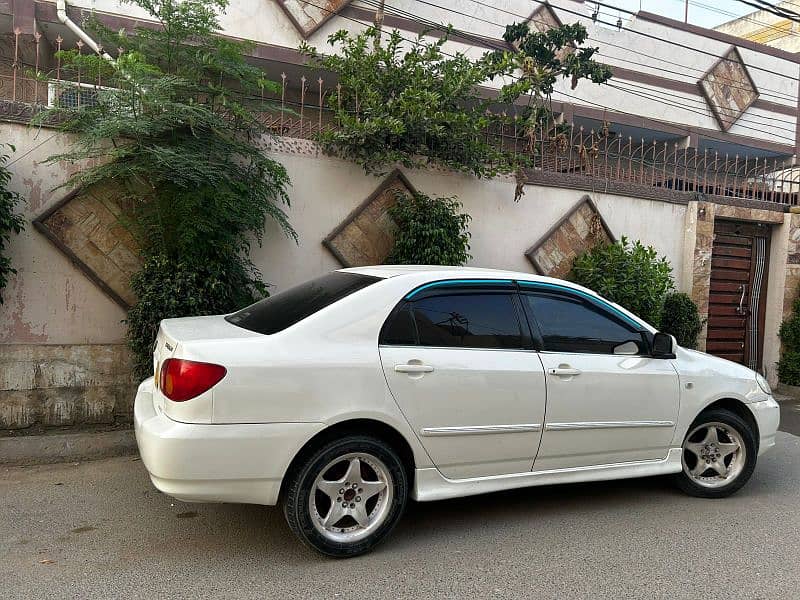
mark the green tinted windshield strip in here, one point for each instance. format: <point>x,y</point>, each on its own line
<point>458,282</point>
<point>594,299</point>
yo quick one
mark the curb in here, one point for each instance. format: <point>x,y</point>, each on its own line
<point>66,447</point>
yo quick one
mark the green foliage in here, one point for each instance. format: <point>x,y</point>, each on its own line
<point>789,363</point>
<point>628,273</point>
<point>430,231</point>
<point>178,131</point>
<point>681,318</point>
<point>10,221</point>
<point>420,106</point>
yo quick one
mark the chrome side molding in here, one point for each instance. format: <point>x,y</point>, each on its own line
<point>479,429</point>
<point>606,425</point>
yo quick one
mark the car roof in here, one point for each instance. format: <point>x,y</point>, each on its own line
<point>436,272</point>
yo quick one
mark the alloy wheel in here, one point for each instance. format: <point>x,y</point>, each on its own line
<point>351,497</point>
<point>714,454</point>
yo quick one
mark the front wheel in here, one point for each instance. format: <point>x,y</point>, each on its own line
<point>719,455</point>
<point>347,496</point>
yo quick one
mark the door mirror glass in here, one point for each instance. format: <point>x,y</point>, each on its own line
<point>663,345</point>
<point>629,348</point>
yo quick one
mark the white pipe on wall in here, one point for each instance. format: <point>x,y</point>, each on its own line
<point>61,11</point>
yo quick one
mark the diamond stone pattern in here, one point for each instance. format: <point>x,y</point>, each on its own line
<point>728,89</point>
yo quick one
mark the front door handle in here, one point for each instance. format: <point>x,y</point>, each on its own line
<point>565,372</point>
<point>413,368</point>
<point>740,309</point>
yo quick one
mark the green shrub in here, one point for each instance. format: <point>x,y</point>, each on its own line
<point>789,363</point>
<point>628,273</point>
<point>681,318</point>
<point>10,222</point>
<point>430,231</point>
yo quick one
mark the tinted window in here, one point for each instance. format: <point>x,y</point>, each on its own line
<point>399,329</point>
<point>468,321</point>
<point>571,325</point>
<point>282,310</point>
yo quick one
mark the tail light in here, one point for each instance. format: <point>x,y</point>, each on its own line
<point>182,379</point>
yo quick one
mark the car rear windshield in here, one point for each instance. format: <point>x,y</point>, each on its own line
<point>286,308</point>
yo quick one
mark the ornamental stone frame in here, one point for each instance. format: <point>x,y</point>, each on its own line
<point>87,226</point>
<point>366,236</point>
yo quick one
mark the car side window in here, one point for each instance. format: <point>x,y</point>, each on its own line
<point>399,329</point>
<point>570,324</point>
<point>468,320</point>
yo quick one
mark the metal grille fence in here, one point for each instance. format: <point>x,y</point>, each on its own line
<point>301,109</point>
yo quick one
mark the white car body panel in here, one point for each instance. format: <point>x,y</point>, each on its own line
<point>466,433</point>
<point>485,413</point>
<point>626,405</point>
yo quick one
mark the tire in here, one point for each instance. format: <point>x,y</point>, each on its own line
<point>724,474</point>
<point>341,520</point>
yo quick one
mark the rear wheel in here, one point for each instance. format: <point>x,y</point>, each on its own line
<point>719,455</point>
<point>347,496</point>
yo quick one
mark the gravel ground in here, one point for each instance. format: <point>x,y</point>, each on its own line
<point>100,530</point>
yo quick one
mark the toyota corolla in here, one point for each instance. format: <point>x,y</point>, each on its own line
<point>345,396</point>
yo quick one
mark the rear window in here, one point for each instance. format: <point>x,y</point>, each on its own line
<point>283,310</point>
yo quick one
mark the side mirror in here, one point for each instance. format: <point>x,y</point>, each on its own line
<point>663,345</point>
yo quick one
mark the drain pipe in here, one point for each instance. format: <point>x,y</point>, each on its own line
<point>61,11</point>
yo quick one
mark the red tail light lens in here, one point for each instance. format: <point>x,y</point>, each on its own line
<point>182,379</point>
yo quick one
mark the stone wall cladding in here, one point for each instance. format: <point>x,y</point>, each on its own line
<point>792,285</point>
<point>57,385</point>
<point>701,274</point>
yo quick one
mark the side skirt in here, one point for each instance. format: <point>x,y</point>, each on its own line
<point>430,484</point>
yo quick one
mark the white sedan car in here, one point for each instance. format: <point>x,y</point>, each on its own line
<point>346,395</point>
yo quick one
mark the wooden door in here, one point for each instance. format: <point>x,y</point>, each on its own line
<point>737,300</point>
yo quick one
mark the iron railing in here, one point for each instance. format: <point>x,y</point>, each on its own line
<point>301,109</point>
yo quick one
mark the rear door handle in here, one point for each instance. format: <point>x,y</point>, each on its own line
<point>564,372</point>
<point>413,368</point>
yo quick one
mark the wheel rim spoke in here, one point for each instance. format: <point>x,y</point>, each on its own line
<point>334,515</point>
<point>359,513</point>
<point>720,468</point>
<point>353,474</point>
<point>727,449</point>
<point>695,449</point>
<point>711,435</point>
<point>700,468</point>
<point>330,488</point>
<point>371,488</point>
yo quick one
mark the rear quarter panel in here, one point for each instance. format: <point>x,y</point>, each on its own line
<point>325,368</point>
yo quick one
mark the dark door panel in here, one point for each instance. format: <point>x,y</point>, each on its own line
<point>737,300</point>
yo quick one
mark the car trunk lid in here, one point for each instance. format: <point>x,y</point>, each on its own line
<point>179,338</point>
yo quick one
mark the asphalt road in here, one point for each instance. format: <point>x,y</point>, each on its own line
<point>100,530</point>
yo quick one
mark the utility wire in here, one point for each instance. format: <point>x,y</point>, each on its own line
<point>661,39</point>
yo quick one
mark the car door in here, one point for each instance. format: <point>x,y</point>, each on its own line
<point>608,400</point>
<point>459,362</point>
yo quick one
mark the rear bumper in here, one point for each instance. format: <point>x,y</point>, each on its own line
<point>768,416</point>
<point>215,463</point>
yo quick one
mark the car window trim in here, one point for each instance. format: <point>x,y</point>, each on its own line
<point>596,300</point>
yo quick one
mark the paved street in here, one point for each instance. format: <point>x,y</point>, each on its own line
<point>100,530</point>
